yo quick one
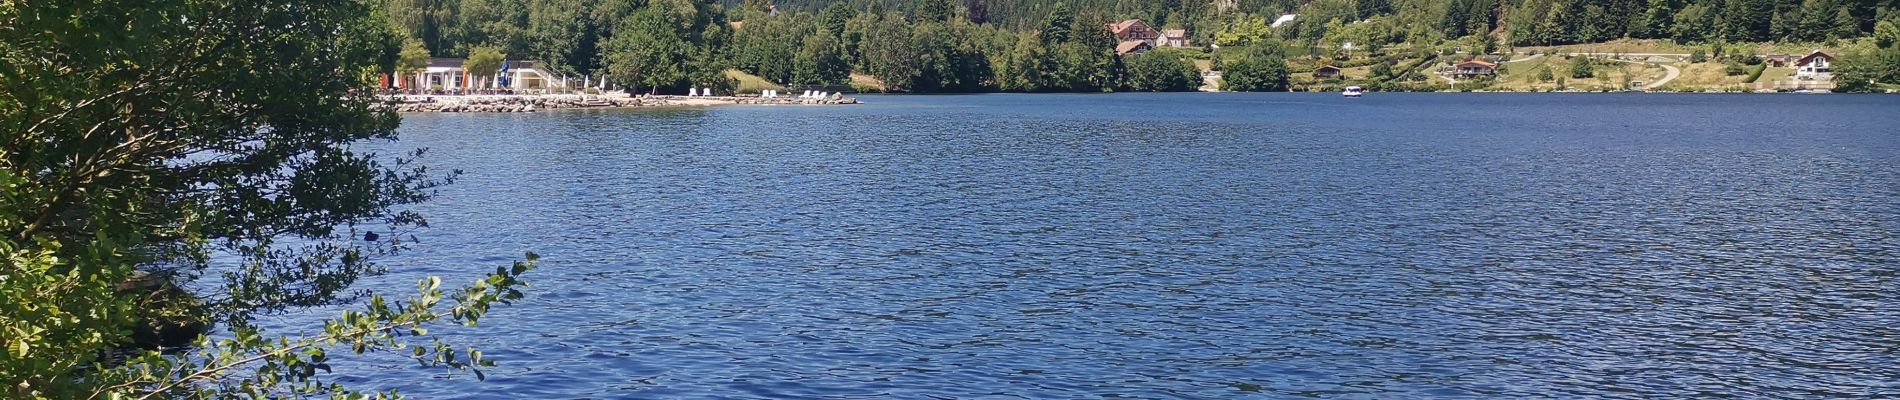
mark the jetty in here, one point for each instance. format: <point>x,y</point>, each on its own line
<point>518,103</point>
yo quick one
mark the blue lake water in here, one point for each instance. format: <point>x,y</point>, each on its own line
<point>1176,246</point>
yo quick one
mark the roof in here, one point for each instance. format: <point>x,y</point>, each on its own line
<point>1129,46</point>
<point>1284,19</point>
<point>1174,33</point>
<point>1480,63</point>
<point>1123,26</point>
<point>437,62</point>
<point>444,62</point>
<point>1326,67</point>
<point>1811,56</point>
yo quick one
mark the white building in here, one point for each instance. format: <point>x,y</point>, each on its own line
<point>1284,19</point>
<point>1817,66</point>
<point>448,74</point>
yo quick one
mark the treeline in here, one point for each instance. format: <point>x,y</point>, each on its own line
<point>1043,45</point>
<point>1574,21</point>
<point>944,48</point>
<point>669,45</point>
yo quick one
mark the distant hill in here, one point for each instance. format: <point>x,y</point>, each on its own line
<point>1520,22</point>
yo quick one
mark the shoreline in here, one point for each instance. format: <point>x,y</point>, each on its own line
<point>519,103</point>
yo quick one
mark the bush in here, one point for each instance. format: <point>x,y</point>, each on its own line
<point>1698,56</point>
<point>1754,73</point>
<point>1258,73</point>
<point>1161,71</point>
<point>1582,67</point>
<point>1382,70</point>
<point>1733,69</point>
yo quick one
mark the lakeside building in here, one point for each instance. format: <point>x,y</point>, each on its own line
<point>1816,66</point>
<point>1778,60</point>
<point>449,74</point>
<point>1473,69</point>
<point>1326,72</point>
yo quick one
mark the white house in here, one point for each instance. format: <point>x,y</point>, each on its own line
<point>1284,19</point>
<point>1816,66</point>
<point>1173,38</point>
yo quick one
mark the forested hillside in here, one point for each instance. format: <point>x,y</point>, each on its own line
<point>985,45</point>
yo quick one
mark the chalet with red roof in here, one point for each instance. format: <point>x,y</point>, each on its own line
<point>1816,66</point>
<point>1127,47</point>
<point>1473,69</point>
<point>1133,29</point>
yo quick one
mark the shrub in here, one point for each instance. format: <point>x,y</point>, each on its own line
<point>1258,73</point>
<point>1161,71</point>
<point>1754,73</point>
<point>1581,67</point>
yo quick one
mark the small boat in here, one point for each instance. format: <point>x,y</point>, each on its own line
<point>1354,91</point>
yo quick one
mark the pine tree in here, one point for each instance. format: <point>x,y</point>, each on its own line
<point>1055,28</point>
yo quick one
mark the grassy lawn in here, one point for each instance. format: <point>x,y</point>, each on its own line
<point>749,83</point>
<point>1772,74</point>
<point>1706,76</point>
<point>866,83</point>
<point>1670,47</point>
<point>1610,75</point>
<point>1616,46</point>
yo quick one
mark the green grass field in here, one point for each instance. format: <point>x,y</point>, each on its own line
<point>751,84</point>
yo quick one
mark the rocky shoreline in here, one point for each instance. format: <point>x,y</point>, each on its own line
<point>535,103</point>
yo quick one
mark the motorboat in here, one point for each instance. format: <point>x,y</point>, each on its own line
<point>1354,91</point>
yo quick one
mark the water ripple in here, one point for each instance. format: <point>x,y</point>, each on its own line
<point>1179,246</point>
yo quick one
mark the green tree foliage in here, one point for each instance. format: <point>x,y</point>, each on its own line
<point>1056,27</point>
<point>1383,70</point>
<point>1871,62</point>
<point>1262,70</point>
<point>977,11</point>
<point>1026,67</point>
<point>767,44</point>
<point>1886,35</point>
<point>1165,70</point>
<point>820,61</point>
<point>756,7</point>
<point>647,51</point>
<point>887,53</point>
<point>833,19</point>
<point>413,58</point>
<point>563,35</point>
<point>1244,30</point>
<point>1543,22</point>
<point>937,11</point>
<point>140,145</point>
<point>1582,67</point>
<point>484,61</point>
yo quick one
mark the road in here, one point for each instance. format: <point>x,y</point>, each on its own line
<point>1669,71</point>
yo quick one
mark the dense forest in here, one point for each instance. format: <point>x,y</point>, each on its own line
<point>1044,45</point>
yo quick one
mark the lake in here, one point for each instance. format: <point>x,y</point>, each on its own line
<point>1213,246</point>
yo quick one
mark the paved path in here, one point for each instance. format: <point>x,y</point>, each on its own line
<point>1670,72</point>
<point>1532,57</point>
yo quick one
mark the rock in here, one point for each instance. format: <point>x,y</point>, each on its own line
<point>173,316</point>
